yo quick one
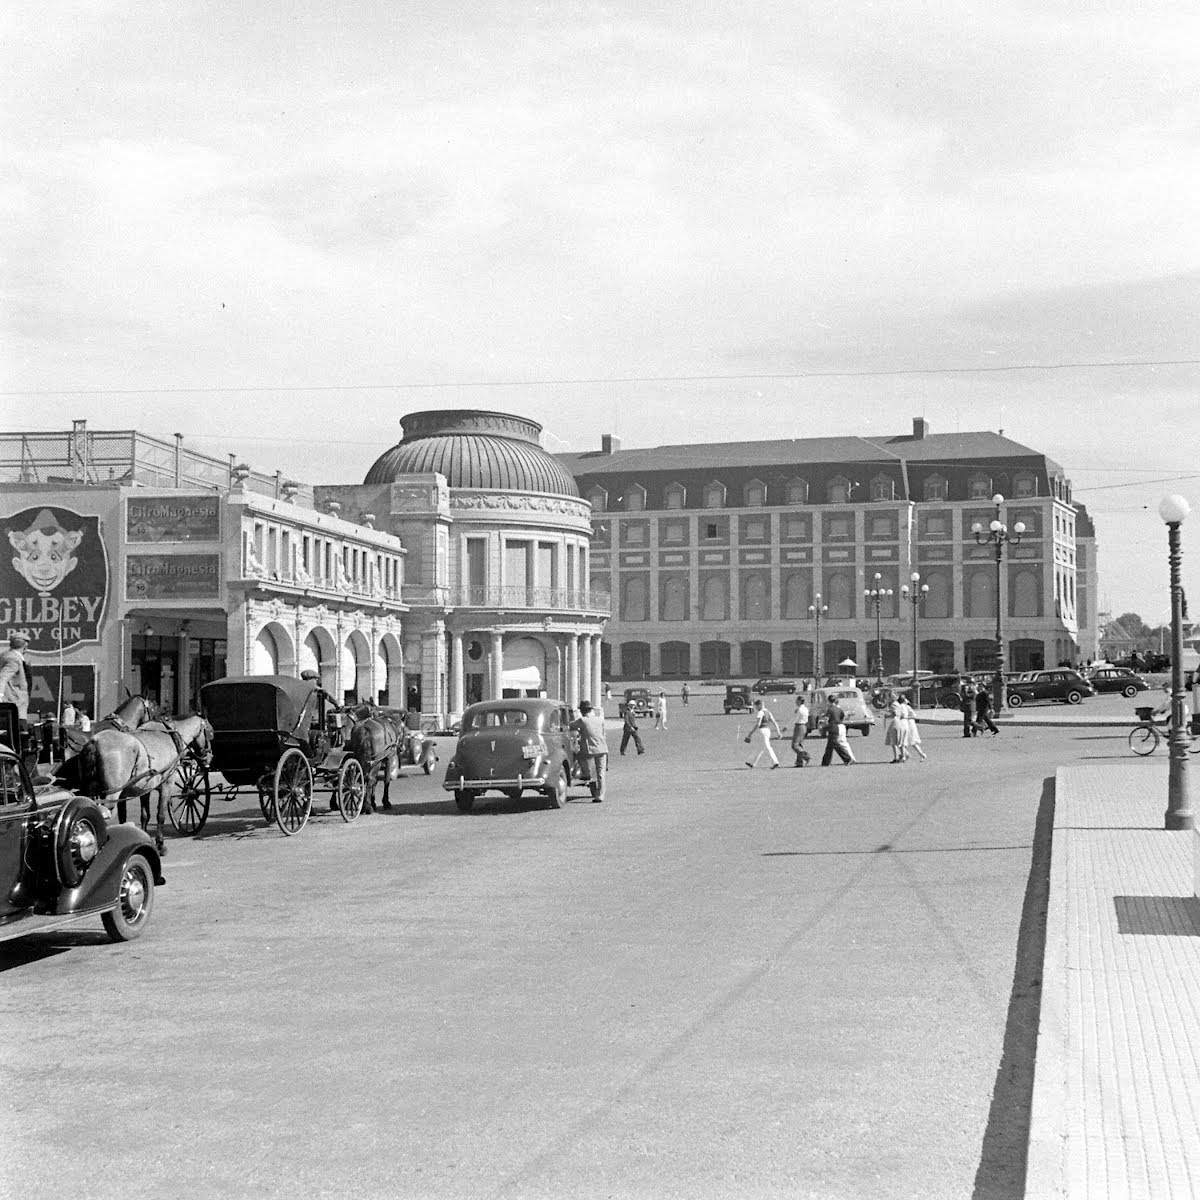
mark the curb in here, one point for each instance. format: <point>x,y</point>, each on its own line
<point>947,716</point>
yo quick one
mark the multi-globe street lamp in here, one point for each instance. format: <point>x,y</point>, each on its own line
<point>815,610</point>
<point>876,595</point>
<point>1174,510</point>
<point>998,536</point>
<point>914,596</point>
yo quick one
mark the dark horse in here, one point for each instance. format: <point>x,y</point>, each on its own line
<point>375,740</point>
<point>128,715</point>
<point>119,764</point>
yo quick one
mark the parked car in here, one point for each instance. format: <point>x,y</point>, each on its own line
<point>737,698</point>
<point>933,691</point>
<point>1117,679</point>
<point>641,700</point>
<point>62,862</point>
<point>762,686</point>
<point>513,746</point>
<point>858,712</point>
<point>1060,684</point>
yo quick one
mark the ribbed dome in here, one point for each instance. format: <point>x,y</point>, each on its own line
<point>474,449</point>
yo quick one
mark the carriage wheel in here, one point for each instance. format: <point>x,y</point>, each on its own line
<point>293,791</point>
<point>188,808</point>
<point>351,789</point>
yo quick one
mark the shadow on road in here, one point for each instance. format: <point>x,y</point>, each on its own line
<point>22,951</point>
<point>1003,1157</point>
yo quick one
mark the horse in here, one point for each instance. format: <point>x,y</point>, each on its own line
<point>132,712</point>
<point>122,764</point>
<point>375,740</point>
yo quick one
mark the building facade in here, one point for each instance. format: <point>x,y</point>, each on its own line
<point>753,558</point>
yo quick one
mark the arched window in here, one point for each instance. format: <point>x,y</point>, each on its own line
<point>633,599</point>
<point>1025,600</point>
<point>839,594</point>
<point>714,599</point>
<point>635,498</point>
<point>797,595</point>
<point>797,491</point>
<point>937,600</point>
<point>674,496</point>
<point>837,491</point>
<point>935,487</point>
<point>883,487</point>
<point>598,498</point>
<point>714,495</point>
<point>755,494</point>
<point>981,595</point>
<point>755,602</point>
<point>979,487</point>
<point>674,598</point>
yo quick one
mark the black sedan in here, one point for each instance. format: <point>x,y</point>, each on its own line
<point>1066,686</point>
<point>61,861</point>
<point>1117,679</point>
<point>762,686</point>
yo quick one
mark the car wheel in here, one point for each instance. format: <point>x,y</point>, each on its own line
<point>1074,696</point>
<point>865,729</point>
<point>135,901</point>
<point>464,799</point>
<point>557,794</point>
<point>1129,691</point>
<point>1015,700</point>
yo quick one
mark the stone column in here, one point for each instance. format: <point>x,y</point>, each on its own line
<point>458,680</point>
<point>558,692</point>
<point>597,682</point>
<point>433,668</point>
<point>572,696</point>
<point>585,667</point>
<point>496,665</point>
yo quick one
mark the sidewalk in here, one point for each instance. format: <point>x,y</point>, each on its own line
<point>1116,1094</point>
<point>1044,716</point>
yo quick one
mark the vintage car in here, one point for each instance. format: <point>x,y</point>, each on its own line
<point>641,701</point>
<point>1062,684</point>
<point>737,698</point>
<point>61,861</point>
<point>513,746</point>
<point>762,687</point>
<point>1117,679</point>
<point>852,702</point>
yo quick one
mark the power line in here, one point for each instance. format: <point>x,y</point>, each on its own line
<point>604,380</point>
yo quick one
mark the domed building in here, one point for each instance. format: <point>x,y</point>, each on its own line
<point>496,571</point>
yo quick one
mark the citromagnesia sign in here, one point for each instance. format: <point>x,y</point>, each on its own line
<point>55,585</point>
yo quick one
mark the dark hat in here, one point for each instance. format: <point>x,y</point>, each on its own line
<point>585,706</point>
<point>18,635</point>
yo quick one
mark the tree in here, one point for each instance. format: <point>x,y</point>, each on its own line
<point>1134,626</point>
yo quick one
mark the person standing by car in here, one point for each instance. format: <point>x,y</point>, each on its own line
<point>835,735</point>
<point>800,732</point>
<point>983,710</point>
<point>629,729</point>
<point>968,709</point>
<point>593,747</point>
<point>760,732</point>
<point>660,711</point>
<point>14,682</point>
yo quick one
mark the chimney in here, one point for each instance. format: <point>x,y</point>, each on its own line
<point>920,428</point>
<point>609,444</point>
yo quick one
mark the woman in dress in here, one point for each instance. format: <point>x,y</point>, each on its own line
<point>910,734</point>
<point>891,726</point>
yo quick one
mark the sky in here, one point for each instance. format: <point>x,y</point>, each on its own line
<point>277,228</point>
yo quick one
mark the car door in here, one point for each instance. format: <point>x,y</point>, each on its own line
<point>559,737</point>
<point>15,807</point>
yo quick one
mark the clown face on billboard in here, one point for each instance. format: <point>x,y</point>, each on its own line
<point>45,551</point>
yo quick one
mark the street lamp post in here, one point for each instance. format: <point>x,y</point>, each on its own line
<point>815,609</point>
<point>876,596</point>
<point>998,536</point>
<point>1174,510</point>
<point>915,595</point>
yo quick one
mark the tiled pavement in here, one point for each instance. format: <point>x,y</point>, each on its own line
<point>1116,1098</point>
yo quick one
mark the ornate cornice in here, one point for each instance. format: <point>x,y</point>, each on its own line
<point>519,502</point>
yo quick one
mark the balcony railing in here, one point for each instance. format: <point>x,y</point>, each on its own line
<point>538,598</point>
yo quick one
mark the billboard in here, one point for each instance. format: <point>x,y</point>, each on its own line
<point>172,576</point>
<point>55,585</point>
<point>173,519</point>
<point>78,686</point>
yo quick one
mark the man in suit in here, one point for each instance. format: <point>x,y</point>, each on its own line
<point>629,729</point>
<point>835,735</point>
<point>968,709</point>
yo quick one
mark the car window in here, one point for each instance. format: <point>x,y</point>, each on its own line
<point>11,792</point>
<point>495,718</point>
<point>554,721</point>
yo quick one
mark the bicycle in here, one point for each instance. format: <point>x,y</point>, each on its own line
<point>1145,736</point>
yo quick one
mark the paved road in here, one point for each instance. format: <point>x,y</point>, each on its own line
<point>718,983</point>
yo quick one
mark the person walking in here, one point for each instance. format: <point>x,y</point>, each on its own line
<point>660,711</point>
<point>835,735</point>
<point>593,747</point>
<point>629,730</point>
<point>983,710</point>
<point>760,732</point>
<point>800,732</point>
<point>910,731</point>
<point>891,727</point>
<point>967,701</point>
<point>684,693</point>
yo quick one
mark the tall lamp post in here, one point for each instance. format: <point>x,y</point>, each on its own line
<point>914,596</point>
<point>1174,510</point>
<point>875,595</point>
<point>998,536</point>
<point>815,609</point>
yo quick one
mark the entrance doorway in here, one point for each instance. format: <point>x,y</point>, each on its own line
<point>412,692</point>
<point>154,670</point>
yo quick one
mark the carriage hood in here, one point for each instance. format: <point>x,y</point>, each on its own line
<point>245,702</point>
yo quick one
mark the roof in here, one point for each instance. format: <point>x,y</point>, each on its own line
<point>1084,525</point>
<point>474,448</point>
<point>962,448</point>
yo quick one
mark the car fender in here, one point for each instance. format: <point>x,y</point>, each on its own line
<point>100,885</point>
